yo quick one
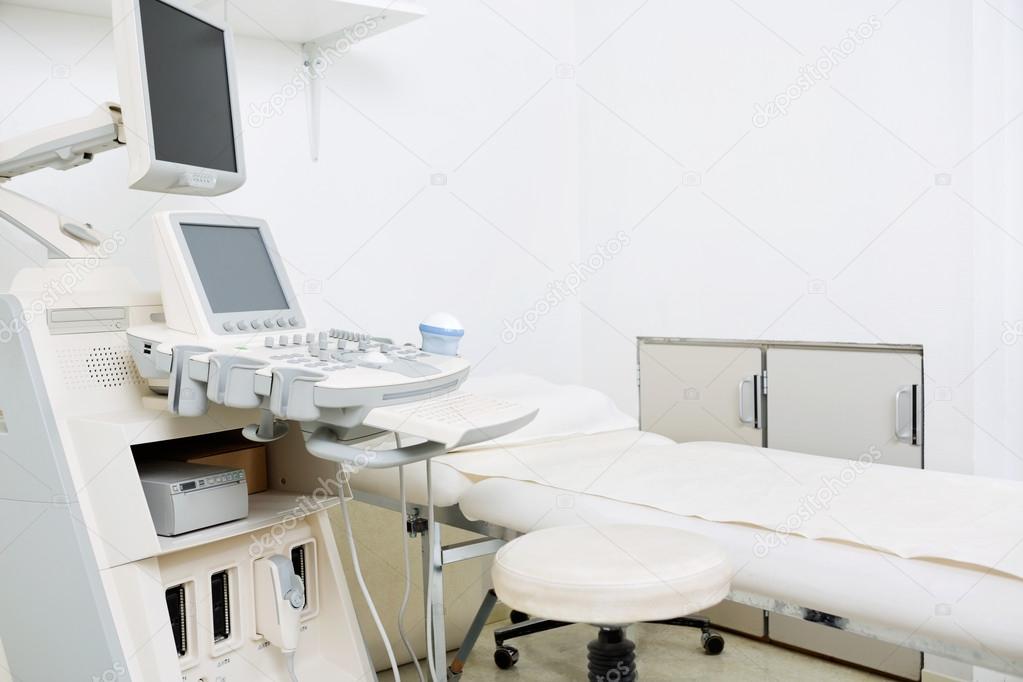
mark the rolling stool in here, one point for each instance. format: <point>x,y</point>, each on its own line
<point>610,576</point>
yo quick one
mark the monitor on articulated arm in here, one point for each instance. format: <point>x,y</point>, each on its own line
<point>179,98</point>
<point>178,116</point>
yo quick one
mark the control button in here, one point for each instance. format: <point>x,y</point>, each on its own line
<point>268,322</point>
<point>281,322</point>
<point>229,326</point>
<point>293,321</point>
<point>242,325</point>
<point>269,342</point>
<point>256,324</point>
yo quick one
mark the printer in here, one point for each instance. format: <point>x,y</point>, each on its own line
<point>184,496</point>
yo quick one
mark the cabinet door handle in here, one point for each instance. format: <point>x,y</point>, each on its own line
<point>906,430</point>
<point>754,417</point>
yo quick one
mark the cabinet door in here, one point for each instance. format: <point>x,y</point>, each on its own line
<point>691,392</point>
<point>842,403</point>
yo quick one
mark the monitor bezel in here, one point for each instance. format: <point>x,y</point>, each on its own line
<point>145,171</point>
<point>215,320</point>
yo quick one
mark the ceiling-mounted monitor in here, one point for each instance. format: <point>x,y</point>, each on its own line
<point>179,98</point>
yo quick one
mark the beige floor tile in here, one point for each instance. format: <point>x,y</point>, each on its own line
<point>666,654</point>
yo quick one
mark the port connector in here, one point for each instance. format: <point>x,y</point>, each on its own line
<point>220,593</point>
<point>298,561</point>
<point>178,612</point>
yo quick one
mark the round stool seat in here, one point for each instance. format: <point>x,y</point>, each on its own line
<point>611,575</point>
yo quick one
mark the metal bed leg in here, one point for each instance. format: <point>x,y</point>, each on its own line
<point>433,584</point>
<point>478,623</point>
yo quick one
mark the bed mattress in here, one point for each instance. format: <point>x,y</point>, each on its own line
<point>452,474</point>
<point>942,607</point>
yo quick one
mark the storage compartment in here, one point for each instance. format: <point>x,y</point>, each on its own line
<point>225,449</point>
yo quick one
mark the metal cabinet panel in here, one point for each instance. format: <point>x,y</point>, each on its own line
<point>846,646</point>
<point>843,403</point>
<point>691,392</point>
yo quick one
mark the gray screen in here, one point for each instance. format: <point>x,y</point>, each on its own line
<point>234,268</point>
<point>189,96</point>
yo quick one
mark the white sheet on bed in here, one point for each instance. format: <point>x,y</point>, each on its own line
<point>954,608</point>
<point>906,512</point>
<point>565,409</point>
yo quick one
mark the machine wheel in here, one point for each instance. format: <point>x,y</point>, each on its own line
<point>519,617</point>
<point>713,643</point>
<point>506,656</point>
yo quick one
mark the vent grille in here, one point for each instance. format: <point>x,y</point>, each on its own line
<point>99,367</point>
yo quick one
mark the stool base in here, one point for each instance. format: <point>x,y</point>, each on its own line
<point>612,657</point>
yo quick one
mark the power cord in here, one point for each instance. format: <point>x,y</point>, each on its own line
<point>290,658</point>
<point>430,530</point>
<point>408,575</point>
<point>362,586</point>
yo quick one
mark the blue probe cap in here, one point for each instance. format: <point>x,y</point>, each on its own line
<point>442,332</point>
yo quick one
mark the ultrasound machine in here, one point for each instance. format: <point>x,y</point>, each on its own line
<point>131,566</point>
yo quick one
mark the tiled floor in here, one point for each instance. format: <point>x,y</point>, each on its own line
<point>666,654</point>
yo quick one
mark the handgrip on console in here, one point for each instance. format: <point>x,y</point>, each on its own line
<point>325,444</point>
<point>291,393</point>
<point>232,381</point>
<point>186,396</point>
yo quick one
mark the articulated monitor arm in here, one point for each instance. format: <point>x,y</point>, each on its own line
<point>62,236</point>
<point>61,147</point>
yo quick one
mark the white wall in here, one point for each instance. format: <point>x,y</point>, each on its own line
<point>372,243</point>
<point>828,223</point>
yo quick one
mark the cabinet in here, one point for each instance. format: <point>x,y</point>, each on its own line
<point>831,399</point>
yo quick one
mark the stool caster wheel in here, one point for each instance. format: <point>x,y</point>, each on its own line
<point>506,656</point>
<point>713,642</point>
<point>519,617</point>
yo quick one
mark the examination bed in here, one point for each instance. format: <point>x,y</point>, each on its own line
<point>920,559</point>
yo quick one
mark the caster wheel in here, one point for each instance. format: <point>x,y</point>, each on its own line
<point>519,617</point>
<point>506,656</point>
<point>713,643</point>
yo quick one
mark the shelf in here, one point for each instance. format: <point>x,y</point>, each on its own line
<point>265,510</point>
<point>294,21</point>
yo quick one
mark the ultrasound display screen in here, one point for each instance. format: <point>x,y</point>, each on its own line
<point>235,268</point>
